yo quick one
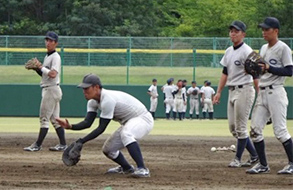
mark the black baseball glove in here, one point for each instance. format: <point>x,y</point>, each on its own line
<point>71,154</point>
<point>252,64</point>
<point>194,92</point>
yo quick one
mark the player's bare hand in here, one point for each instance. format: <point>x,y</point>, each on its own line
<point>64,123</point>
<point>216,99</point>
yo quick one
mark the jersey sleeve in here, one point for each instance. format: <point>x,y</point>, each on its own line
<point>150,88</point>
<point>287,57</point>
<point>107,108</point>
<point>92,106</point>
<point>56,63</point>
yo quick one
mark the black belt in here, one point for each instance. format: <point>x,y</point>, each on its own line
<point>234,87</point>
<point>270,87</point>
<point>49,86</point>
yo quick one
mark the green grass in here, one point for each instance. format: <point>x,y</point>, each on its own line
<point>117,75</point>
<point>162,127</point>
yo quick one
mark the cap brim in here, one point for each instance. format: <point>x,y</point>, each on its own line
<point>263,25</point>
<point>84,85</point>
<point>234,26</point>
<point>48,37</point>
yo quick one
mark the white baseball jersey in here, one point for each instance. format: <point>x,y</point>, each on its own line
<point>190,90</point>
<point>279,55</point>
<point>234,61</point>
<point>52,62</point>
<point>169,100</point>
<point>117,105</point>
<point>153,90</point>
<point>208,92</point>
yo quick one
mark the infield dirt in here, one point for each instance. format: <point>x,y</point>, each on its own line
<point>175,162</point>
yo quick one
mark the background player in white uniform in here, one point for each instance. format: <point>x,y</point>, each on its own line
<point>169,98</point>
<point>193,100</point>
<point>179,100</point>
<point>136,122</point>
<point>184,84</point>
<point>51,95</point>
<point>207,99</point>
<point>241,92</point>
<point>272,99</point>
<point>153,92</point>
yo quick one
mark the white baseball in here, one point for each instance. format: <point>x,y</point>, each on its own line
<point>232,146</point>
<point>213,149</point>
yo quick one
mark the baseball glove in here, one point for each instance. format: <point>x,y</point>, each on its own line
<point>252,64</point>
<point>71,154</point>
<point>194,92</point>
<point>33,63</point>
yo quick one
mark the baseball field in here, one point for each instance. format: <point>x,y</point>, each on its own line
<point>176,152</point>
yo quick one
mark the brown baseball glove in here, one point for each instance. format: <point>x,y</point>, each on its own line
<point>33,63</point>
<point>252,64</point>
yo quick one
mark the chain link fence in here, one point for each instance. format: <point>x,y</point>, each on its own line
<point>123,51</point>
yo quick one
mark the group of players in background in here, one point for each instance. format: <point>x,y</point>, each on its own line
<point>176,95</point>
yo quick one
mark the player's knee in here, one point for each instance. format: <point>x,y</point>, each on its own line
<point>110,154</point>
<point>255,136</point>
<point>283,137</point>
<point>44,122</point>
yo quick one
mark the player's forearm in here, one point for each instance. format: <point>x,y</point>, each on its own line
<point>39,72</point>
<point>99,130</point>
<point>222,83</point>
<point>86,123</point>
<point>283,71</point>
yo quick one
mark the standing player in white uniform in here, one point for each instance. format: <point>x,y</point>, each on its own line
<point>51,95</point>
<point>179,100</point>
<point>193,93</point>
<point>136,122</point>
<point>241,92</point>
<point>207,99</point>
<point>272,99</point>
<point>169,98</point>
<point>153,92</point>
<point>184,91</point>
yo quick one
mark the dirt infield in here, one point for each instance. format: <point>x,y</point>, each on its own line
<point>175,162</point>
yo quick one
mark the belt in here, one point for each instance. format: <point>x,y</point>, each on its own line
<point>270,87</point>
<point>235,87</point>
<point>50,86</point>
<point>194,98</point>
<point>178,98</point>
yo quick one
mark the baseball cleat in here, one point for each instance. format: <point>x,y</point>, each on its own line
<point>235,164</point>
<point>258,168</point>
<point>288,169</point>
<point>58,147</point>
<point>33,147</point>
<point>141,172</point>
<point>250,162</point>
<point>120,170</point>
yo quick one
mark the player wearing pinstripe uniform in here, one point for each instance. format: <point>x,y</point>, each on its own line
<point>153,92</point>
<point>241,92</point>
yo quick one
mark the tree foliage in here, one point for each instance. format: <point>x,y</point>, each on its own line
<point>178,18</point>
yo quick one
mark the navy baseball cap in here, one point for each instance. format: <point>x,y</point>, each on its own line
<point>90,80</point>
<point>52,36</point>
<point>270,22</point>
<point>239,25</point>
<point>154,80</point>
<point>193,82</point>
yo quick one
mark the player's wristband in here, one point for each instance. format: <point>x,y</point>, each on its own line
<point>45,70</point>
